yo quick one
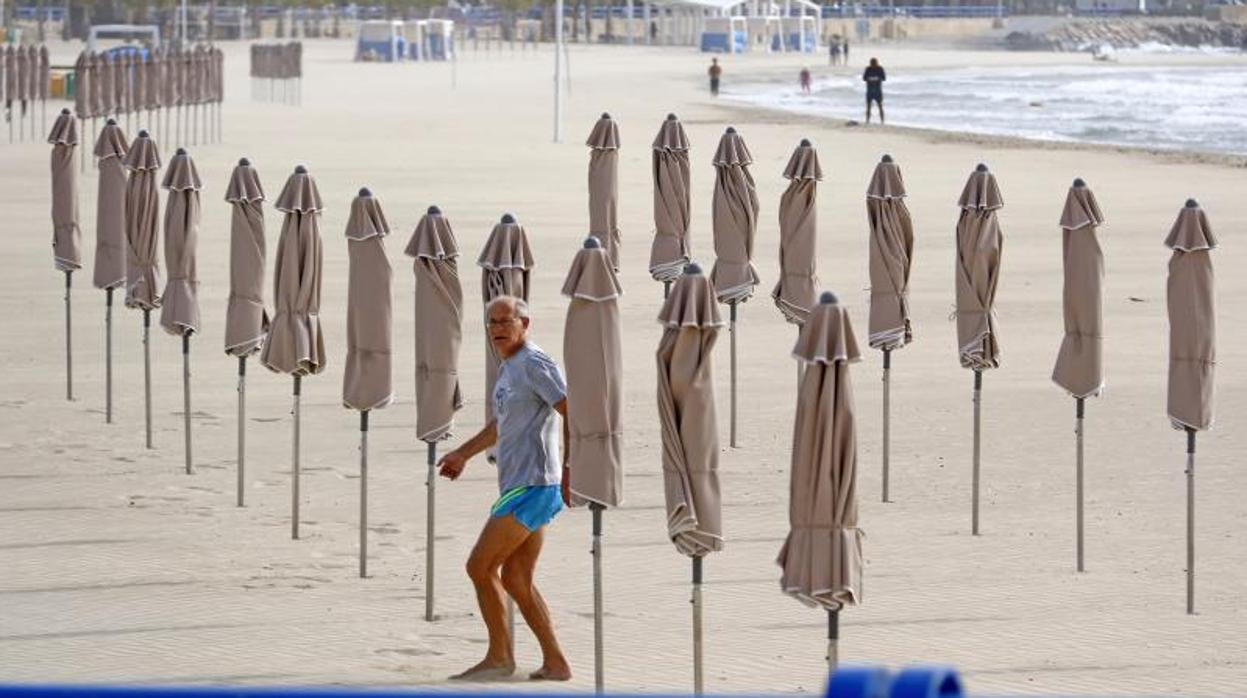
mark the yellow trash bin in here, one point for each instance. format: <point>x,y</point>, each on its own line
<point>56,89</point>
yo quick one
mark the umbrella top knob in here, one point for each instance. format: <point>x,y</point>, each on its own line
<point>730,129</point>
<point>886,158</point>
<point>592,243</point>
<point>1079,183</point>
<point>143,133</point>
<point>828,298</point>
<point>1192,203</point>
<point>805,143</point>
<point>672,117</point>
<point>980,167</point>
<point>434,211</point>
<point>244,162</point>
<point>64,112</point>
<point>606,115</point>
<point>692,268</point>
<point>300,169</point>
<point>365,191</point>
<point>111,121</point>
<point>508,218</point>
<point>180,151</point>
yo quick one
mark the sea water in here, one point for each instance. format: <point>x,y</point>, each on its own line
<point>1197,108</point>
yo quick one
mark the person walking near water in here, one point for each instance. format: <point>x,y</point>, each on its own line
<point>715,72</point>
<point>874,78</point>
<point>805,80</point>
<point>532,480</point>
<point>833,50</point>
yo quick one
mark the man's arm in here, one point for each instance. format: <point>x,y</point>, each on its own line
<point>561,408</point>
<point>452,464</point>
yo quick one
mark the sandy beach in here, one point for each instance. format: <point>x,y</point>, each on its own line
<point>115,566</point>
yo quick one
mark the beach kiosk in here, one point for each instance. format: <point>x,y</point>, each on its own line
<point>413,32</point>
<point>800,34</point>
<point>439,40</point>
<point>725,35</point>
<point>380,40</point>
<point>764,32</point>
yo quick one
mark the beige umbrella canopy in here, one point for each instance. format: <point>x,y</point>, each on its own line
<point>735,220</point>
<point>822,556</point>
<point>979,243</point>
<point>690,438</point>
<point>439,334</point>
<point>670,249</point>
<point>82,85</point>
<point>367,381</point>
<point>1191,295</point>
<point>66,236</point>
<point>246,320</point>
<point>505,263</point>
<point>179,314</point>
<point>593,355</point>
<point>142,268</point>
<point>891,254</point>
<point>603,145</point>
<point>295,345</point>
<point>439,325</point>
<point>110,219</point>
<point>798,235</point>
<point>1079,369</point>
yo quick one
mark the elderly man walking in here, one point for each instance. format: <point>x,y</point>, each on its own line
<point>533,488</point>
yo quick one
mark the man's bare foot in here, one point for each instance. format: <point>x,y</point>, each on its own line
<point>487,670</point>
<point>558,672</point>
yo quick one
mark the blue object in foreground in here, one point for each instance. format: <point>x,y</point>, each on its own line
<point>912,682</point>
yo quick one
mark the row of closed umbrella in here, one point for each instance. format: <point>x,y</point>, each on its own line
<point>273,63</point>
<point>821,560</point>
<point>25,75</point>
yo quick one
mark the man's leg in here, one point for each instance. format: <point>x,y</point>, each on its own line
<point>500,537</point>
<point>517,577</point>
<point>867,110</point>
<point>881,119</point>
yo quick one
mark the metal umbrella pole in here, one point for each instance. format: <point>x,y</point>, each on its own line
<point>833,639</point>
<point>430,522</point>
<point>69,335</point>
<point>599,672</point>
<point>363,494</point>
<point>732,334</point>
<point>887,418</point>
<point>1079,404</point>
<point>108,356</point>
<point>698,675</point>
<point>186,397</point>
<point>294,490</point>
<point>147,373</point>
<point>242,430</point>
<point>1190,521</point>
<point>978,404</point>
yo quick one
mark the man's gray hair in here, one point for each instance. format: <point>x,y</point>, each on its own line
<point>519,305</point>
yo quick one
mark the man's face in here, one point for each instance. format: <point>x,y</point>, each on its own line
<point>506,331</point>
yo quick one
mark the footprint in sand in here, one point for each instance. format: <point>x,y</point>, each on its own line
<point>409,652</point>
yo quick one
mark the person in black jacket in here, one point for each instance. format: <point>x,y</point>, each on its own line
<point>874,77</point>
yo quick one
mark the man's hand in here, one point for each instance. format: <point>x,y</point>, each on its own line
<point>451,465</point>
<point>565,487</point>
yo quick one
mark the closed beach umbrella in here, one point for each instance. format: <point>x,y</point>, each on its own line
<point>1192,348</point>
<point>979,243</point>
<point>66,236</point>
<point>735,223</point>
<point>593,355</point>
<point>179,315</point>
<point>603,145</point>
<point>138,84</point>
<point>690,437</point>
<point>110,237</point>
<point>505,263</point>
<point>121,84</point>
<point>246,320</point>
<point>82,103</point>
<point>22,83</point>
<point>439,333</point>
<point>798,235</point>
<point>11,89</point>
<point>43,80</point>
<point>1079,363</point>
<point>6,88</point>
<point>891,254</point>
<point>142,246</point>
<point>295,345</point>
<point>367,378</point>
<point>670,249</point>
<point>107,84</point>
<point>822,556</point>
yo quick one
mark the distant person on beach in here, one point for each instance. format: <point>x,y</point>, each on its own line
<point>874,78</point>
<point>846,51</point>
<point>805,80</point>
<point>833,50</point>
<point>529,396</point>
<point>715,72</point>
